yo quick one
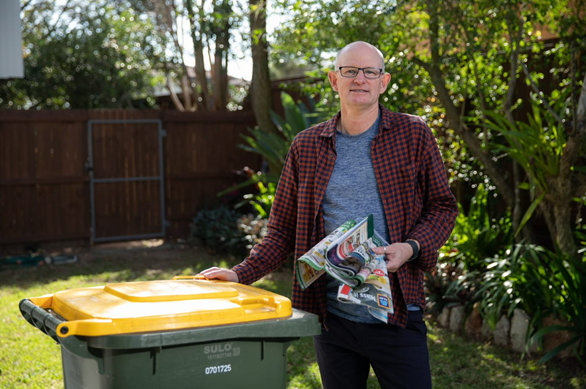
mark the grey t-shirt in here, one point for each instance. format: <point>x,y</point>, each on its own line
<point>352,193</point>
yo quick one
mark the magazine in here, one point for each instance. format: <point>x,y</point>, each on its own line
<point>311,264</point>
<point>375,293</point>
<point>346,254</point>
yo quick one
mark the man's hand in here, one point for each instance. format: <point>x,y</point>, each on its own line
<point>396,255</point>
<point>218,273</point>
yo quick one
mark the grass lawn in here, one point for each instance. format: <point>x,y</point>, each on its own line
<point>29,359</point>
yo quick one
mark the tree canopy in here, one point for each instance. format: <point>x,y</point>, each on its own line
<point>83,55</point>
<point>474,70</point>
<point>104,54</point>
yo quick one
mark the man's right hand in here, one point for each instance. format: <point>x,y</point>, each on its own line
<point>218,273</point>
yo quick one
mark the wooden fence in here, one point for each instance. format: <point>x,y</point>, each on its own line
<point>45,188</point>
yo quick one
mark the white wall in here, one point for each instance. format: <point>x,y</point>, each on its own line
<point>11,65</point>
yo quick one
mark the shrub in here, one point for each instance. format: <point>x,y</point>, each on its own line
<point>477,235</point>
<point>564,284</point>
<point>506,284</point>
<point>448,285</point>
<point>217,228</point>
<point>542,283</point>
<point>253,228</point>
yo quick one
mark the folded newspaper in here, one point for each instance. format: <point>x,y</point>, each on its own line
<point>346,254</point>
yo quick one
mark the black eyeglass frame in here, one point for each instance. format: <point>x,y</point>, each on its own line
<point>363,72</point>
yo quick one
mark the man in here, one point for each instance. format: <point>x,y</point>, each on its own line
<point>366,160</point>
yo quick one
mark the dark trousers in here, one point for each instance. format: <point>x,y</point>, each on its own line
<point>398,356</point>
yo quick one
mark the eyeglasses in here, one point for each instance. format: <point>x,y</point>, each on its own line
<point>352,71</point>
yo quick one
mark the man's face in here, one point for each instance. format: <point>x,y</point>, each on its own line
<point>359,92</point>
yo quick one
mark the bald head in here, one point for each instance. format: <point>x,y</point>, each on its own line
<point>356,48</point>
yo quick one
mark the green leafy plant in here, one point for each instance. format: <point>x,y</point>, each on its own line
<point>448,286</point>
<point>568,287</point>
<point>537,146</point>
<point>436,284</point>
<point>477,235</point>
<point>263,200</point>
<point>542,283</point>
<point>527,277</point>
<point>273,147</point>
<point>500,285</point>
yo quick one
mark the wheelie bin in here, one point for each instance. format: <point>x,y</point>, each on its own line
<point>174,334</point>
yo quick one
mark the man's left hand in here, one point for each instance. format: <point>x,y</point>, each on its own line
<point>395,255</point>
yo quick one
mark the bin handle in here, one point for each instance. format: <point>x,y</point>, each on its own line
<point>195,277</point>
<point>40,318</point>
<point>37,316</point>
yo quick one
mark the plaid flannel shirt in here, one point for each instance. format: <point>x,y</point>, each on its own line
<point>417,200</point>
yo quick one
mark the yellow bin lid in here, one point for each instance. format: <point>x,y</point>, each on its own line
<point>161,306</point>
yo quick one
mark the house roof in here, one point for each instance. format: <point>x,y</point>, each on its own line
<point>161,90</point>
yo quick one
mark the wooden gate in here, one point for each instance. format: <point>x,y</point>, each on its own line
<point>126,179</point>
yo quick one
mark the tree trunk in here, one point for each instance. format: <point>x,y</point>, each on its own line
<point>200,71</point>
<point>221,30</point>
<point>556,208</point>
<point>262,102</point>
<point>225,80</point>
<point>186,88</point>
<point>562,187</point>
<point>166,23</point>
<point>564,234</point>
<point>201,78</point>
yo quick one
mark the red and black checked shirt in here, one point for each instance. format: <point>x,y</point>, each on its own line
<point>415,193</point>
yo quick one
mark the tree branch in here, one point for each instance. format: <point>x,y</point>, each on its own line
<point>174,97</point>
<point>453,114</point>
<point>460,128</point>
<point>423,64</point>
<point>434,32</point>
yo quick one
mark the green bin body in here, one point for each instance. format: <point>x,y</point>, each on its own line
<point>240,356</point>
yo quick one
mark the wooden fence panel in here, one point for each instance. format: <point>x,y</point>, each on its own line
<point>18,142</point>
<point>44,184</point>
<point>201,156</point>
<point>60,149</point>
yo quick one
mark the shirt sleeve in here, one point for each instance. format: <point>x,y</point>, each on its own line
<point>279,242</point>
<point>440,208</point>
